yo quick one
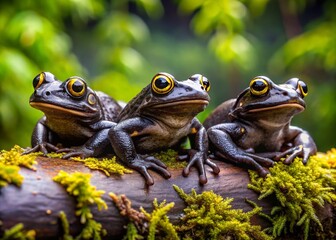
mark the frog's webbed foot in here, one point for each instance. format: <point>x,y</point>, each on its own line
<point>45,148</point>
<point>292,153</point>
<point>199,160</point>
<point>254,161</point>
<point>142,166</point>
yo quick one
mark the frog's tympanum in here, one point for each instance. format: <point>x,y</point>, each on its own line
<point>254,129</point>
<point>162,116</point>
<point>75,115</point>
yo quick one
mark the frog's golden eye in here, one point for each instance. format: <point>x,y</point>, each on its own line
<point>76,87</point>
<point>205,83</point>
<point>38,80</point>
<point>302,86</point>
<point>162,83</point>
<point>198,78</point>
<point>259,86</point>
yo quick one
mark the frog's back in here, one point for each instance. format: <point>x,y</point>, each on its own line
<point>133,107</point>
<point>111,108</point>
<point>220,114</point>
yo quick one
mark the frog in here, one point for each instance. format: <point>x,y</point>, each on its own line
<point>162,116</point>
<point>76,118</point>
<point>254,130</point>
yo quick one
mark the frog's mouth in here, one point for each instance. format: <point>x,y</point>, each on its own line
<point>201,102</point>
<point>293,105</point>
<point>49,108</point>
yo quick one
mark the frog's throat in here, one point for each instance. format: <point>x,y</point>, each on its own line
<point>288,105</point>
<point>182,102</point>
<point>50,107</point>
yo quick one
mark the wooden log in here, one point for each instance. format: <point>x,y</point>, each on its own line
<point>39,200</point>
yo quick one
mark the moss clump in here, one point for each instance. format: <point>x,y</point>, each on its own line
<point>78,185</point>
<point>330,157</point>
<point>18,232</point>
<point>298,189</point>
<point>10,162</point>
<point>10,175</point>
<point>209,216</point>
<point>107,166</point>
<point>14,157</point>
<point>54,154</point>
<point>155,225</point>
<point>170,158</point>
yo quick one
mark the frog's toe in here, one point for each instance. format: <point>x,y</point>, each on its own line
<point>265,162</point>
<point>294,152</point>
<point>156,161</point>
<point>306,155</point>
<point>31,150</point>
<point>202,179</point>
<point>215,168</point>
<point>65,150</point>
<point>72,154</point>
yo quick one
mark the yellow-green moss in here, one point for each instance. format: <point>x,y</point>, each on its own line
<point>65,226</point>
<point>14,157</point>
<point>298,188</point>
<point>154,225</point>
<point>78,185</point>
<point>10,163</point>
<point>10,175</point>
<point>209,216</point>
<point>106,165</point>
<point>170,158</point>
<point>54,154</point>
<point>18,232</point>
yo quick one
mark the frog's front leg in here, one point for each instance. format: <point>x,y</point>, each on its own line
<point>223,137</point>
<point>42,139</point>
<point>198,155</point>
<point>95,146</point>
<point>121,138</point>
<point>304,146</point>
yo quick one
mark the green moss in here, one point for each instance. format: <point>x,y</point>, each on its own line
<point>55,155</point>
<point>14,157</point>
<point>78,185</point>
<point>170,158</point>
<point>10,175</point>
<point>65,226</point>
<point>209,216</point>
<point>298,189</point>
<point>107,166</point>
<point>18,232</point>
<point>10,163</point>
<point>154,225</point>
<point>159,225</point>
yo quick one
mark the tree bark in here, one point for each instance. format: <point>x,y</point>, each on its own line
<point>39,200</point>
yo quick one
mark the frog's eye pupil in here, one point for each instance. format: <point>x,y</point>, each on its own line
<point>205,83</point>
<point>38,80</point>
<point>259,86</point>
<point>162,83</point>
<point>76,87</point>
<point>303,88</point>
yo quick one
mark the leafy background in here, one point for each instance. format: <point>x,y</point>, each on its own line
<point>118,45</point>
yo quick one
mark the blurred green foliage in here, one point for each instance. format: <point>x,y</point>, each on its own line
<point>118,45</point>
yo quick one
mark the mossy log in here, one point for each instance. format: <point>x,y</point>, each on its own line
<point>38,202</point>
